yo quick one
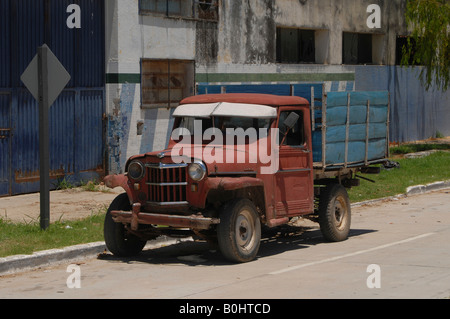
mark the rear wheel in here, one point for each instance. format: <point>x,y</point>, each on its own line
<point>334,213</point>
<point>118,240</point>
<point>239,231</point>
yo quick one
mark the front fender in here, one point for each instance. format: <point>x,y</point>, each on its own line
<point>233,183</point>
<point>121,180</point>
<point>220,189</point>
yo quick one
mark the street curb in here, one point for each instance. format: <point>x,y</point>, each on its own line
<point>19,263</point>
<point>410,191</point>
<point>73,254</point>
<point>421,189</point>
<point>13,264</point>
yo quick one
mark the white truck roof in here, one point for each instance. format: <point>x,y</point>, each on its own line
<point>226,109</point>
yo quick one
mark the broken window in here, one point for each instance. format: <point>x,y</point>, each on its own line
<point>166,7</point>
<point>404,43</point>
<point>166,82</point>
<point>295,46</point>
<point>357,48</point>
<point>197,9</point>
<point>206,9</point>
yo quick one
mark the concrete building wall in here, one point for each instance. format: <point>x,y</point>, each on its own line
<point>131,37</point>
<point>247,29</point>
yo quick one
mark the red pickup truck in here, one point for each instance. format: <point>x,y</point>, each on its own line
<point>236,162</point>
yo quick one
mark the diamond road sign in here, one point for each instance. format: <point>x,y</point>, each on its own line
<point>45,78</point>
<point>58,77</point>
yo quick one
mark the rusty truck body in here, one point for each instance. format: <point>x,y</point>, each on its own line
<point>237,162</point>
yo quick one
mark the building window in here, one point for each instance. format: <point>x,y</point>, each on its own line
<point>206,9</point>
<point>357,48</point>
<point>296,46</point>
<point>196,9</point>
<point>165,83</point>
<point>402,43</point>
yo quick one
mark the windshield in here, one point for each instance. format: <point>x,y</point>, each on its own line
<point>226,125</point>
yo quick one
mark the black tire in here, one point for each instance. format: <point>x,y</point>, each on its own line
<point>334,213</point>
<point>239,231</point>
<point>117,239</point>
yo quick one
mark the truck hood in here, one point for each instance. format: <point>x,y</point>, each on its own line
<point>219,159</point>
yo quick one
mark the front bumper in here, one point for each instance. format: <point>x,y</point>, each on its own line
<point>136,217</point>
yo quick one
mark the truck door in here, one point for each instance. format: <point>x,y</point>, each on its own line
<point>294,180</point>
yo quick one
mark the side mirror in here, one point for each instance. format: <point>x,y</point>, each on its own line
<point>291,120</point>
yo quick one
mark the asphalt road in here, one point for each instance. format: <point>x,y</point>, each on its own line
<point>397,249</point>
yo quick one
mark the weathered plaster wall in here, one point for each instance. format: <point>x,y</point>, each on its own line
<point>247,29</point>
<point>129,38</point>
<point>206,43</point>
<point>340,16</point>
<point>246,32</point>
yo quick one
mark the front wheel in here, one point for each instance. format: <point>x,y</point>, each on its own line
<point>239,231</point>
<point>334,213</point>
<point>117,239</point>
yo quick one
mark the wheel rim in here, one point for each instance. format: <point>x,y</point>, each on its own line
<point>245,230</point>
<point>340,213</point>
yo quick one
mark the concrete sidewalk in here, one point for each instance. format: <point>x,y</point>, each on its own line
<point>13,264</point>
<point>70,204</point>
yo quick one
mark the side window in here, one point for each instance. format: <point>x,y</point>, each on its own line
<point>294,136</point>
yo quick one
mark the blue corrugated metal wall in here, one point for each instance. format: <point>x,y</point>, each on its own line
<point>416,113</point>
<point>76,118</point>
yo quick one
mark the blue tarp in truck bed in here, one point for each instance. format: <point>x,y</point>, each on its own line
<point>351,128</point>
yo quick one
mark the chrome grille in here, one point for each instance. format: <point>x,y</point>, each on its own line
<point>166,183</point>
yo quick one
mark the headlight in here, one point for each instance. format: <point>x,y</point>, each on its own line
<point>197,171</point>
<point>136,170</point>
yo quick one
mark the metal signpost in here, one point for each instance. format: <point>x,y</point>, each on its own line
<point>45,78</point>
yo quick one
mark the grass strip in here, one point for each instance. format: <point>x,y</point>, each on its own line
<point>413,171</point>
<point>25,239</point>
